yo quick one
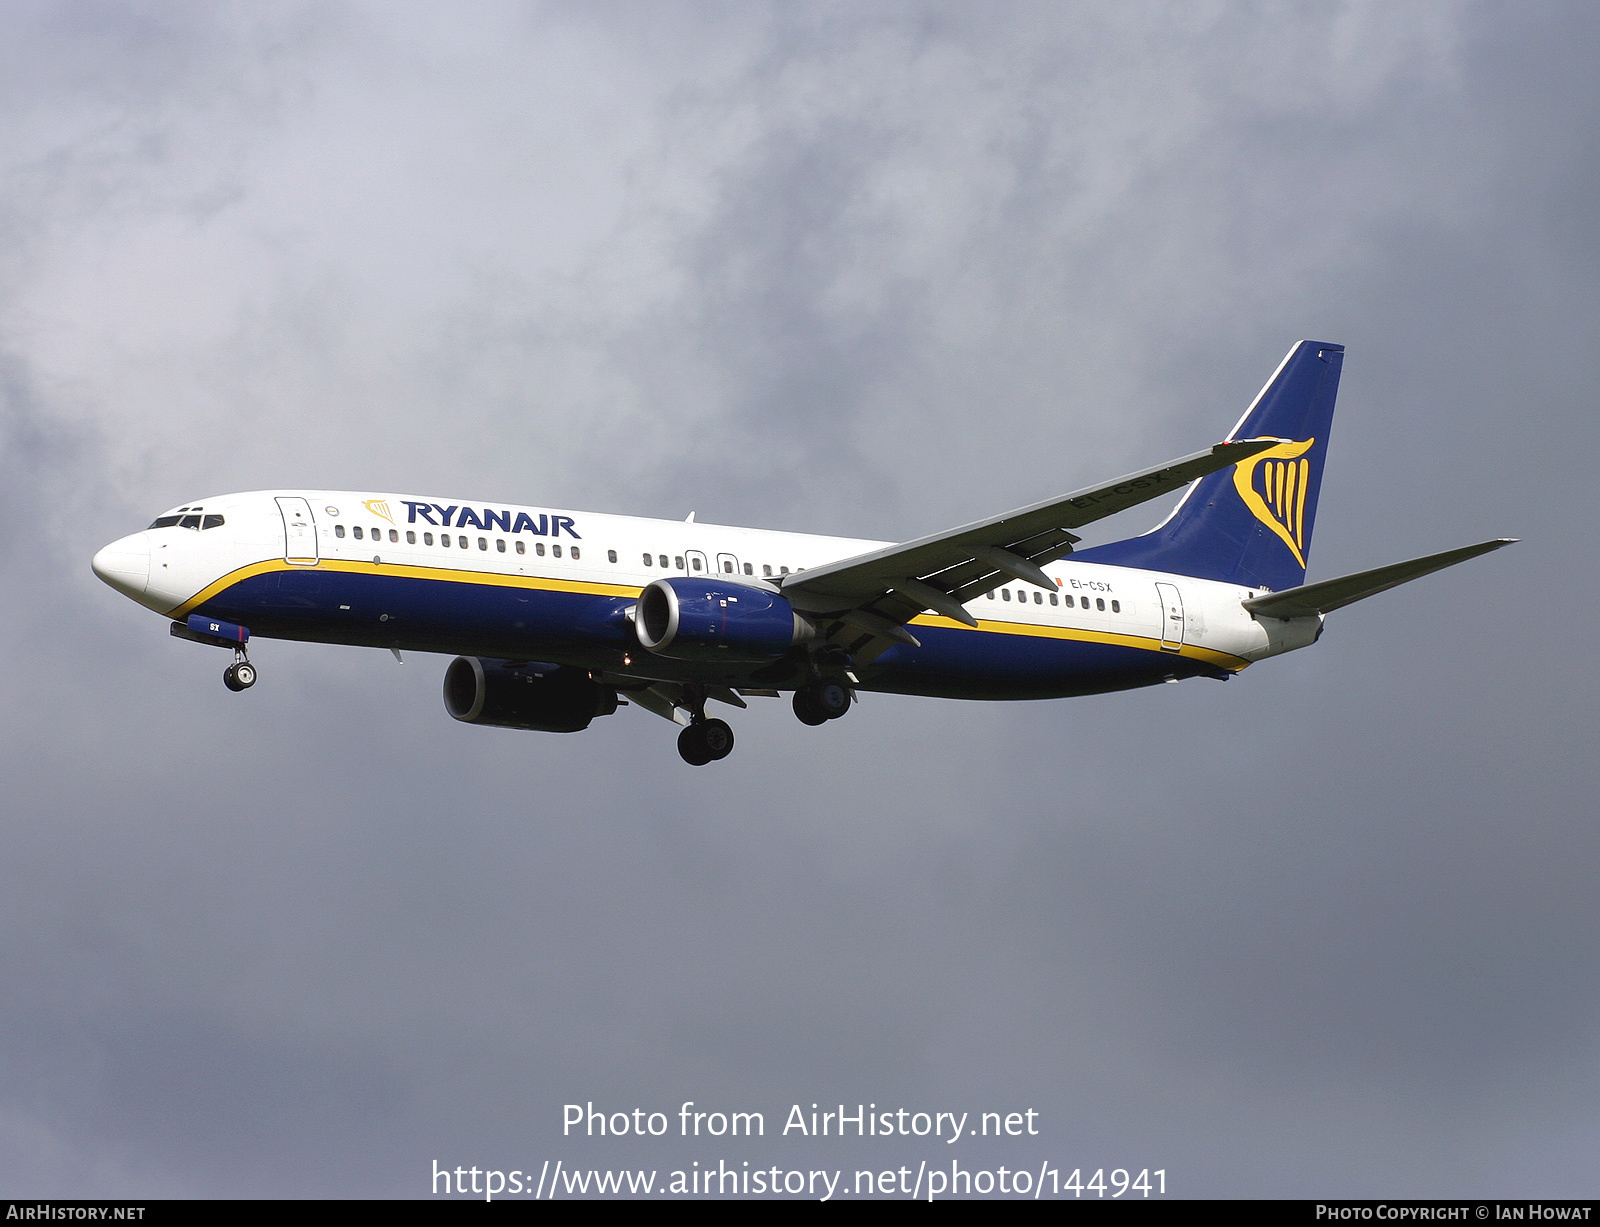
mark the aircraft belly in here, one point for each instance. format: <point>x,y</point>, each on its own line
<point>424,614</point>
<point>999,665</point>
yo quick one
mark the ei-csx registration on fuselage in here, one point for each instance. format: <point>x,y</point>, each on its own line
<point>557,617</point>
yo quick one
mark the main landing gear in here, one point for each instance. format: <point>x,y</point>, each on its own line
<point>708,740</point>
<point>705,741</point>
<point>820,702</point>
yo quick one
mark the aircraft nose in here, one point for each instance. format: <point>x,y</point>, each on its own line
<point>125,565</point>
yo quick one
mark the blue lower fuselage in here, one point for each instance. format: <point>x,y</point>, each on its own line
<point>590,630</point>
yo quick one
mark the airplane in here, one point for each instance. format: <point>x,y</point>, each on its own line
<point>558,617</point>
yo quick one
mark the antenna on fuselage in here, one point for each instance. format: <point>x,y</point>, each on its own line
<point>689,519</point>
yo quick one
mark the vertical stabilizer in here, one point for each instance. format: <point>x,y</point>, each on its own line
<point>1251,524</point>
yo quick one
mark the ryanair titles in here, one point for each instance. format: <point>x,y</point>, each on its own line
<point>544,525</point>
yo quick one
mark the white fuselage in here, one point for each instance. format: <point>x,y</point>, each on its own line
<point>367,532</point>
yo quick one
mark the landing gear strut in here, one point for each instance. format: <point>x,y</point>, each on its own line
<point>705,741</point>
<point>819,702</point>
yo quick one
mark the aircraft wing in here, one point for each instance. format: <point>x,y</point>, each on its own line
<point>1331,594</point>
<point>875,594</point>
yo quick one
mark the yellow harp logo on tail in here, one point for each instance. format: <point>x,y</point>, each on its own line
<point>1273,485</point>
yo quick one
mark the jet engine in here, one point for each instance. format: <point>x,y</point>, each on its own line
<point>524,695</point>
<point>688,618</point>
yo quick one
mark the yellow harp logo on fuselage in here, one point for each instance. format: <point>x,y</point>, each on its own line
<point>378,507</point>
<point>1273,485</point>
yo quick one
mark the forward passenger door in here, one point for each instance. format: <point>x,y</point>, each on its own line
<point>299,532</point>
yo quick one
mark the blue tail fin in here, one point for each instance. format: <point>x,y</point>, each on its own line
<point>1250,524</point>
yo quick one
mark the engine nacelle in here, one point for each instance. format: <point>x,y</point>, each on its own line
<point>524,695</point>
<point>688,618</point>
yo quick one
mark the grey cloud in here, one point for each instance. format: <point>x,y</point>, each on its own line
<point>1323,930</point>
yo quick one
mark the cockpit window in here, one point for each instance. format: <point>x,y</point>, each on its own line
<point>178,520</point>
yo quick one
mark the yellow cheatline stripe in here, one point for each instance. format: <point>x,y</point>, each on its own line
<point>545,584</point>
<point>1300,507</point>
<point>1224,659</point>
<point>1286,510</point>
<point>227,581</point>
<point>489,579</point>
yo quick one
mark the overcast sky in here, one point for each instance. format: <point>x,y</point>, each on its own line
<point>876,269</point>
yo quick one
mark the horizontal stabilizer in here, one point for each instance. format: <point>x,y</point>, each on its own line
<point>1331,594</point>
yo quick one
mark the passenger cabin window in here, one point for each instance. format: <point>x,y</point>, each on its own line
<point>1038,598</point>
<point>696,562</point>
<point>411,537</point>
<point>1100,604</point>
<point>461,542</point>
<point>783,570</point>
<point>664,561</point>
<point>648,560</point>
<point>748,569</point>
<point>1053,599</point>
<point>499,545</point>
<point>765,569</point>
<point>338,530</point>
<point>356,532</point>
<point>538,548</point>
<point>556,550</point>
<point>1116,606</point>
<point>611,555</point>
<point>1005,594</point>
<point>483,543</point>
<point>575,554</point>
<point>522,547</point>
<point>727,567</point>
<point>394,535</point>
<point>427,538</point>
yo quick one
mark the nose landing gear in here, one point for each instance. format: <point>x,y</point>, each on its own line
<point>240,675</point>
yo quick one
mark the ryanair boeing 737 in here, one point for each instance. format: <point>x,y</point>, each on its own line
<point>556,617</point>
